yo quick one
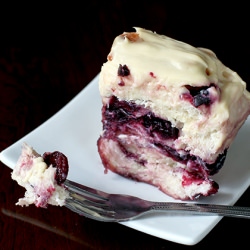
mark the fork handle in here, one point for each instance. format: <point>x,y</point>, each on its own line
<point>194,208</point>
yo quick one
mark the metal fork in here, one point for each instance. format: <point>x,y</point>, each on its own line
<point>106,207</point>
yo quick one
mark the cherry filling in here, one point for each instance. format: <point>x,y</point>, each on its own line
<point>122,117</point>
<point>60,162</point>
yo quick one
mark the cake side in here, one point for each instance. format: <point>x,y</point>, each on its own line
<point>170,113</point>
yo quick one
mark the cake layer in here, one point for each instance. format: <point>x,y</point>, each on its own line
<point>169,176</point>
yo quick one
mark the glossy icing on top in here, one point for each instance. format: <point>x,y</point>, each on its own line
<point>170,61</point>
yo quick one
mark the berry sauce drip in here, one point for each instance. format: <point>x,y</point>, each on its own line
<point>123,70</point>
<point>120,116</point>
<point>59,161</point>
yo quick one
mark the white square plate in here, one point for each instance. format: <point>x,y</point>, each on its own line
<point>74,130</point>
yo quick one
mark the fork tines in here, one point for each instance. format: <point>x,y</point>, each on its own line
<point>87,201</point>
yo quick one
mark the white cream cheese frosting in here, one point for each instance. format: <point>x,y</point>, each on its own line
<point>176,63</point>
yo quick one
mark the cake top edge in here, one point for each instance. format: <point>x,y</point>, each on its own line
<point>169,61</point>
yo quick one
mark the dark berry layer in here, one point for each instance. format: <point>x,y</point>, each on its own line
<point>119,114</point>
<point>121,117</point>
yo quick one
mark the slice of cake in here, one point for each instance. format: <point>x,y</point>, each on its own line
<point>170,112</point>
<point>42,177</point>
